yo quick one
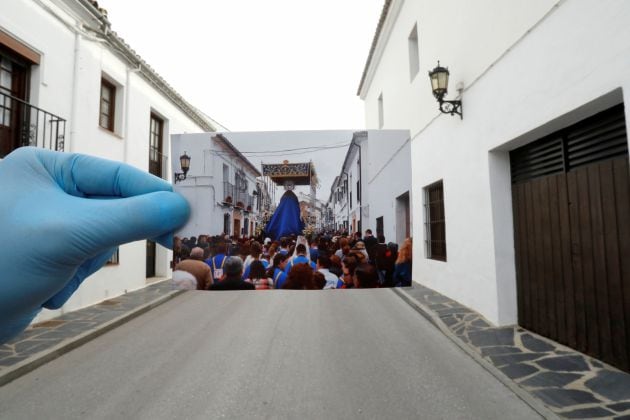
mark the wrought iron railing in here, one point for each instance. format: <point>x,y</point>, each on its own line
<point>251,202</point>
<point>28,125</point>
<point>241,199</point>
<point>228,193</point>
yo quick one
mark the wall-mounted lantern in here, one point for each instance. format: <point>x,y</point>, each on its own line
<point>439,86</point>
<point>184,163</point>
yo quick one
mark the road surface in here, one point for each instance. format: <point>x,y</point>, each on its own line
<point>267,354</point>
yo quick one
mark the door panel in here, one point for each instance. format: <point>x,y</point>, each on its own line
<point>572,237</point>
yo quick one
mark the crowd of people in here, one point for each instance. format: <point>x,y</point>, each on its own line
<point>339,261</point>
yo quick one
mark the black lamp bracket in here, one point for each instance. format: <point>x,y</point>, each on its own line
<point>179,176</point>
<point>451,107</point>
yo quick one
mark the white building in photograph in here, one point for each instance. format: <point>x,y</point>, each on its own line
<point>523,202</point>
<point>372,190</point>
<point>386,184</point>
<point>67,82</point>
<point>221,186</point>
<point>337,203</point>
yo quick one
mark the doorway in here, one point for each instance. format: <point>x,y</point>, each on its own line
<point>13,93</point>
<point>380,230</point>
<point>151,252</point>
<point>403,218</point>
<point>571,205</point>
<point>237,227</point>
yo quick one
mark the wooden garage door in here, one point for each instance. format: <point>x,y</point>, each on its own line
<point>571,202</point>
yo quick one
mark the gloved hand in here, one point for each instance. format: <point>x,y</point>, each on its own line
<point>62,216</point>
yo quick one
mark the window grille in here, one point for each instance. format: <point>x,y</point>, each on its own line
<point>434,222</point>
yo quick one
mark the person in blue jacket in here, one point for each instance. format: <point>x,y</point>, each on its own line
<point>276,272</point>
<point>217,262</point>
<point>299,258</point>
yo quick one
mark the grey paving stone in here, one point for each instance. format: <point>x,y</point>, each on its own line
<point>10,361</point>
<point>480,323</point>
<point>626,417</point>
<point>460,330</point>
<point>510,359</point>
<point>587,413</point>
<point>34,332</point>
<point>436,306</point>
<point>573,363</point>
<point>535,344</point>
<point>597,364</point>
<point>27,345</point>
<point>77,326</point>
<point>449,320</point>
<point>518,370</point>
<point>438,299</point>
<point>551,379</point>
<point>492,337</point>
<point>39,347</point>
<point>452,311</point>
<point>53,335</point>
<point>492,351</point>
<point>620,407</point>
<point>612,385</point>
<point>558,397</point>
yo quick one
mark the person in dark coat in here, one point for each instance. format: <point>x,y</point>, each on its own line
<point>232,276</point>
<point>370,242</point>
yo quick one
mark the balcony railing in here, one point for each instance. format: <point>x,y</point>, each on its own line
<point>228,193</point>
<point>28,125</point>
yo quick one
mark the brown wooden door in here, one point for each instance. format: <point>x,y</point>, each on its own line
<point>237,228</point>
<point>571,203</point>
<point>151,253</point>
<point>13,87</point>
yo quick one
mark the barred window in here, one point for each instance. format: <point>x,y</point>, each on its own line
<point>434,221</point>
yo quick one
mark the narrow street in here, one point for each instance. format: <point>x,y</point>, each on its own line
<point>281,354</point>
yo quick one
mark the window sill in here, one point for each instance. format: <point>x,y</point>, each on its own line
<point>111,133</point>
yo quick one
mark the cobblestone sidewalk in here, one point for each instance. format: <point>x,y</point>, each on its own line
<point>47,340</point>
<point>569,383</point>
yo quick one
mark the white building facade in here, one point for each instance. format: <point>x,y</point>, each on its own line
<point>386,184</point>
<point>517,197</point>
<point>373,188</point>
<point>221,186</point>
<point>61,62</point>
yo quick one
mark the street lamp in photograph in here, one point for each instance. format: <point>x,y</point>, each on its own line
<point>184,163</point>
<point>439,86</point>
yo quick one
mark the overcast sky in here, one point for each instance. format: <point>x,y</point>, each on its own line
<point>257,65</point>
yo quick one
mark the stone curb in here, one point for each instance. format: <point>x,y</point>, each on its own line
<point>64,347</point>
<point>430,316</point>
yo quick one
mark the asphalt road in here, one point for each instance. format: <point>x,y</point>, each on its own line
<point>280,354</point>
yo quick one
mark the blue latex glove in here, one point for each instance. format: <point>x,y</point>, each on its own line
<point>62,216</point>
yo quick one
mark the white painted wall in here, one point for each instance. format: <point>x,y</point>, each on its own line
<point>465,36</point>
<point>67,83</point>
<point>572,64</point>
<point>387,175</point>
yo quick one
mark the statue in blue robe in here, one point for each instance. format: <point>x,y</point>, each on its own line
<point>286,219</point>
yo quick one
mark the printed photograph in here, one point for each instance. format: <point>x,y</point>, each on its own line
<point>291,210</point>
